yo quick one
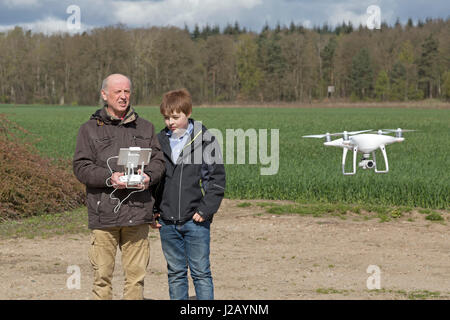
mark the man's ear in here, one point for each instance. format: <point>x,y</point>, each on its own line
<point>103,94</point>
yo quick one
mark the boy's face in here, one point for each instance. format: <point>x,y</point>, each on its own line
<point>177,122</point>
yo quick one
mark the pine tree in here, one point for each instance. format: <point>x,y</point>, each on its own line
<point>410,23</point>
<point>228,29</point>
<point>250,76</point>
<point>292,27</point>
<point>361,74</point>
<point>398,79</point>
<point>327,56</point>
<point>236,28</point>
<point>428,69</point>
<point>196,33</point>
<point>406,58</point>
<point>446,85</point>
<point>382,86</point>
<point>272,63</point>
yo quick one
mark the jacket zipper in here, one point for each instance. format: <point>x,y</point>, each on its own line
<point>181,174</point>
<point>179,193</point>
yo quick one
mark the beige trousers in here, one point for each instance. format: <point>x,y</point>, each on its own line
<point>133,242</point>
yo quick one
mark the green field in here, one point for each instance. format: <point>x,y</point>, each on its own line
<point>308,171</point>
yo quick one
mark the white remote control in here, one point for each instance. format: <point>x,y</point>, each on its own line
<point>132,180</point>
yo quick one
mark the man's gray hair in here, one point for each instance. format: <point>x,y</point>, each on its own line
<point>105,82</point>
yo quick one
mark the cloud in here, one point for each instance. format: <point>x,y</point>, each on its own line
<point>49,25</point>
<point>253,14</point>
<point>179,12</point>
<point>20,3</point>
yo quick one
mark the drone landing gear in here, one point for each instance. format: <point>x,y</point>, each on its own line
<point>344,156</point>
<point>383,151</point>
<point>365,163</point>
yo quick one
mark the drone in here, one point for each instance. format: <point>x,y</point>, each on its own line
<point>364,142</point>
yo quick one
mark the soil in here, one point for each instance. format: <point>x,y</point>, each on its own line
<point>256,255</point>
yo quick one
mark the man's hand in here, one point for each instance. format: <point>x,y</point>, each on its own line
<point>116,183</point>
<point>155,224</point>
<point>146,180</point>
<point>197,217</point>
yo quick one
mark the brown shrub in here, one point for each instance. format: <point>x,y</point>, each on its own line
<point>29,184</point>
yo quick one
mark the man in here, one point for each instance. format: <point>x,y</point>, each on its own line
<point>122,219</point>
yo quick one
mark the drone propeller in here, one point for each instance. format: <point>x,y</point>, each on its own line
<point>336,134</point>
<point>320,135</point>
<point>398,132</point>
<point>351,133</point>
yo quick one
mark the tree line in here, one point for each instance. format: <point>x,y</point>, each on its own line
<point>280,64</point>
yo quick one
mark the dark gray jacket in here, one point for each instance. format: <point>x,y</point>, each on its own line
<point>101,138</point>
<point>196,182</point>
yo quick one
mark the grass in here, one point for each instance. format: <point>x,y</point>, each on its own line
<point>411,295</point>
<point>341,210</point>
<point>48,225</point>
<point>434,216</point>
<point>332,291</point>
<point>423,294</point>
<point>244,205</point>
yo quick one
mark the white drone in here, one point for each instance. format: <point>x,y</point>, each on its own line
<point>366,143</point>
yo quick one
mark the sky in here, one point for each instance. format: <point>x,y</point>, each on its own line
<point>55,16</point>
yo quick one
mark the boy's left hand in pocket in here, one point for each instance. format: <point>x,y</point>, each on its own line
<point>197,217</point>
<point>155,224</point>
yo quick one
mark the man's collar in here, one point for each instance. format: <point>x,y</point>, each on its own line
<point>129,116</point>
<point>113,117</point>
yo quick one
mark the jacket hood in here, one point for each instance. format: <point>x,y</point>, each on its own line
<point>102,115</point>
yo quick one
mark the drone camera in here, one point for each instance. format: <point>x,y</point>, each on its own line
<point>367,164</point>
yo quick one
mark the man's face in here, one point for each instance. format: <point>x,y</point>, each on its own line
<point>117,95</point>
<point>177,122</point>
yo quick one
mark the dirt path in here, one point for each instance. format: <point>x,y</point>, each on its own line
<point>259,256</point>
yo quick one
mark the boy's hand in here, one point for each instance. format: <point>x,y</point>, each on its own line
<point>155,224</point>
<point>197,217</point>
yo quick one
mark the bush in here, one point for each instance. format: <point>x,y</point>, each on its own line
<point>31,185</point>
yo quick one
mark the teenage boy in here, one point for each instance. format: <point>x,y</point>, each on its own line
<point>188,196</point>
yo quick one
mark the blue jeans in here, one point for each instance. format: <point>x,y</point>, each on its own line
<point>187,245</point>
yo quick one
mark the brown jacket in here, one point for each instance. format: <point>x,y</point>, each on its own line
<point>99,139</point>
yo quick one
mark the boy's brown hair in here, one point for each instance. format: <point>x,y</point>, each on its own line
<point>176,101</point>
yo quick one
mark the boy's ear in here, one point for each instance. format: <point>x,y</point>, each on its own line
<point>188,115</point>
